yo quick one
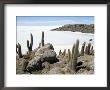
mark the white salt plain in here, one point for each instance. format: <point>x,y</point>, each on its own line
<point>59,39</point>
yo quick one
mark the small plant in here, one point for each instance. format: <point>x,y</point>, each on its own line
<point>42,41</point>
<point>18,50</point>
<point>29,45</point>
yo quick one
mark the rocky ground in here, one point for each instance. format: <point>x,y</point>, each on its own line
<point>44,60</point>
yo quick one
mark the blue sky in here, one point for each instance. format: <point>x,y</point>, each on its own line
<point>53,20</point>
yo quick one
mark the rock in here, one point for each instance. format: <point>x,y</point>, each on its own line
<point>43,54</point>
<point>47,46</point>
<point>35,64</point>
<point>90,39</point>
<point>50,56</point>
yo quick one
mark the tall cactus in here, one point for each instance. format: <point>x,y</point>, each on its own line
<point>75,56</point>
<point>92,51</point>
<point>64,52</point>
<point>89,46</point>
<point>60,52</point>
<point>18,50</point>
<point>86,50</point>
<point>69,55</point>
<point>29,45</point>
<point>73,50</point>
<point>82,49</point>
<point>42,41</point>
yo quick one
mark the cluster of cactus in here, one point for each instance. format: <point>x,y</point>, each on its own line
<point>42,41</point>
<point>18,50</point>
<point>29,45</point>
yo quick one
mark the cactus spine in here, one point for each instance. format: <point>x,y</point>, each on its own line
<point>29,45</point>
<point>82,49</point>
<point>18,50</point>
<point>42,41</point>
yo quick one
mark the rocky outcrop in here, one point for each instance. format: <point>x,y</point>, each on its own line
<point>84,28</point>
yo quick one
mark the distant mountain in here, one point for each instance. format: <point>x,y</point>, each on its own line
<point>84,28</point>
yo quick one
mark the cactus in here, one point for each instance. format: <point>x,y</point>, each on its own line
<point>76,50</point>
<point>89,46</point>
<point>64,52</point>
<point>86,49</point>
<point>82,49</point>
<point>29,45</point>
<point>42,41</point>
<point>92,51</point>
<point>75,56</point>
<point>39,45</point>
<point>69,55</point>
<point>60,52</point>
<point>73,50</point>
<point>18,50</point>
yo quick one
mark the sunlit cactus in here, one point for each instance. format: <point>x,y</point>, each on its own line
<point>29,45</point>
<point>18,50</point>
<point>42,41</point>
<point>82,49</point>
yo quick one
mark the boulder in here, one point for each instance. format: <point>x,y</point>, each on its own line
<point>50,56</point>
<point>47,46</point>
<point>35,64</point>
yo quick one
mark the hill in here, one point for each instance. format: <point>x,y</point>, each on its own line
<point>84,28</point>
